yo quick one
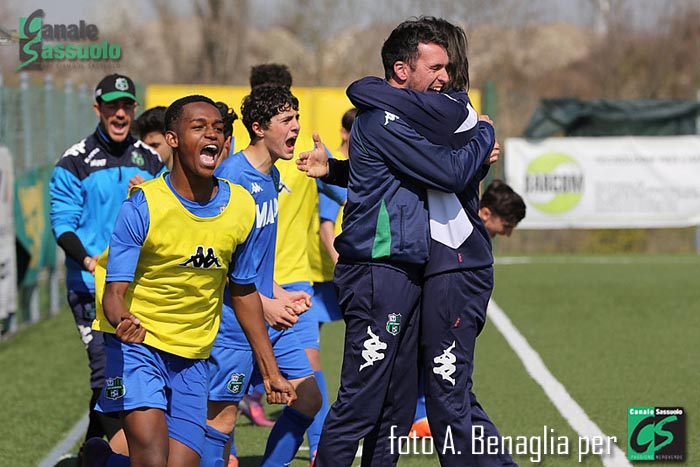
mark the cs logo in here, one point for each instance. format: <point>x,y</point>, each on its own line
<point>656,433</point>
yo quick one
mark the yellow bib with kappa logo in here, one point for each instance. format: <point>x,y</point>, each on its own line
<point>177,291</point>
<point>298,204</point>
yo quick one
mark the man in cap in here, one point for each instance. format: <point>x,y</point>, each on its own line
<point>87,188</point>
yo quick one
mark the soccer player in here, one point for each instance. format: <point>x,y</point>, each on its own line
<point>270,114</point>
<point>384,247</point>
<point>500,209</point>
<point>88,185</point>
<point>459,274</point>
<point>176,241</point>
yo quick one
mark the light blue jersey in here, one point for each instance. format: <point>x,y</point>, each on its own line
<point>264,190</point>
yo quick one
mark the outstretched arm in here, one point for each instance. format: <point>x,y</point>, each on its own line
<point>317,164</point>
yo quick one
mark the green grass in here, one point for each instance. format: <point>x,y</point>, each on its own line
<point>44,378</point>
<point>616,332</point>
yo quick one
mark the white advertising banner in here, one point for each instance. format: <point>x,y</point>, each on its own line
<point>8,262</point>
<point>606,182</point>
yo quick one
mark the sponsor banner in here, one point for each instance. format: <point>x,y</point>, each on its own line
<point>601,182</point>
<point>8,260</point>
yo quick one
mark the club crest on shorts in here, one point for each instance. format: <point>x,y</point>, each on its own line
<point>393,325</point>
<point>235,384</point>
<point>114,388</point>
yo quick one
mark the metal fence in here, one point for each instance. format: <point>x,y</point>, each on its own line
<point>38,121</point>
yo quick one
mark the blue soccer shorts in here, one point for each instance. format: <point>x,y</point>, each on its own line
<point>232,371</point>
<point>138,375</point>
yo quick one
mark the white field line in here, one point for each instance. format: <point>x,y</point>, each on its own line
<point>575,259</point>
<point>77,432</point>
<point>557,393</point>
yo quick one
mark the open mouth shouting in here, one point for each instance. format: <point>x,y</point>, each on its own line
<point>290,142</point>
<point>118,128</point>
<point>209,154</point>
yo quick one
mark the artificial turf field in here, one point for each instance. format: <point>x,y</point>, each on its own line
<point>615,331</point>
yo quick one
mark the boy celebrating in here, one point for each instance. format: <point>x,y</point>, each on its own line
<point>270,114</point>
<point>176,240</point>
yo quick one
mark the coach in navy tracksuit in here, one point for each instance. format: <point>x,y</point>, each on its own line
<point>87,188</point>
<point>458,276</point>
<point>383,250</point>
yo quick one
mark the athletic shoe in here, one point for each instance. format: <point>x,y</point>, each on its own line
<point>420,429</point>
<point>232,461</point>
<point>253,409</point>
<point>96,453</point>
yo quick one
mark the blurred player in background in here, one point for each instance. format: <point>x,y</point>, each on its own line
<point>150,127</point>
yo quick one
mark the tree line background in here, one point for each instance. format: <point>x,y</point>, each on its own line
<point>615,49</point>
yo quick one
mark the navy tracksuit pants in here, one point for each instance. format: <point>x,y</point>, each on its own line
<point>453,314</point>
<point>379,376</point>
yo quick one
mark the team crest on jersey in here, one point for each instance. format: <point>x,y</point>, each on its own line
<point>393,325</point>
<point>114,388</point>
<point>200,260</point>
<point>235,384</point>
<point>137,158</point>
<point>372,347</point>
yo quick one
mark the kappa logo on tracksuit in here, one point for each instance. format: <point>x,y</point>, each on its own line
<point>371,353</point>
<point>389,117</point>
<point>447,367</point>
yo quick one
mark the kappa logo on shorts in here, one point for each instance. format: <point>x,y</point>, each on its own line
<point>200,260</point>
<point>372,347</point>
<point>393,325</point>
<point>446,360</point>
<point>235,384</point>
<point>114,388</point>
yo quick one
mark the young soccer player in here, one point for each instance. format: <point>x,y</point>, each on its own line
<point>270,114</point>
<point>176,241</point>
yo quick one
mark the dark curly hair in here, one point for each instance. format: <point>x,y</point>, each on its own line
<point>263,103</point>
<point>270,73</point>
